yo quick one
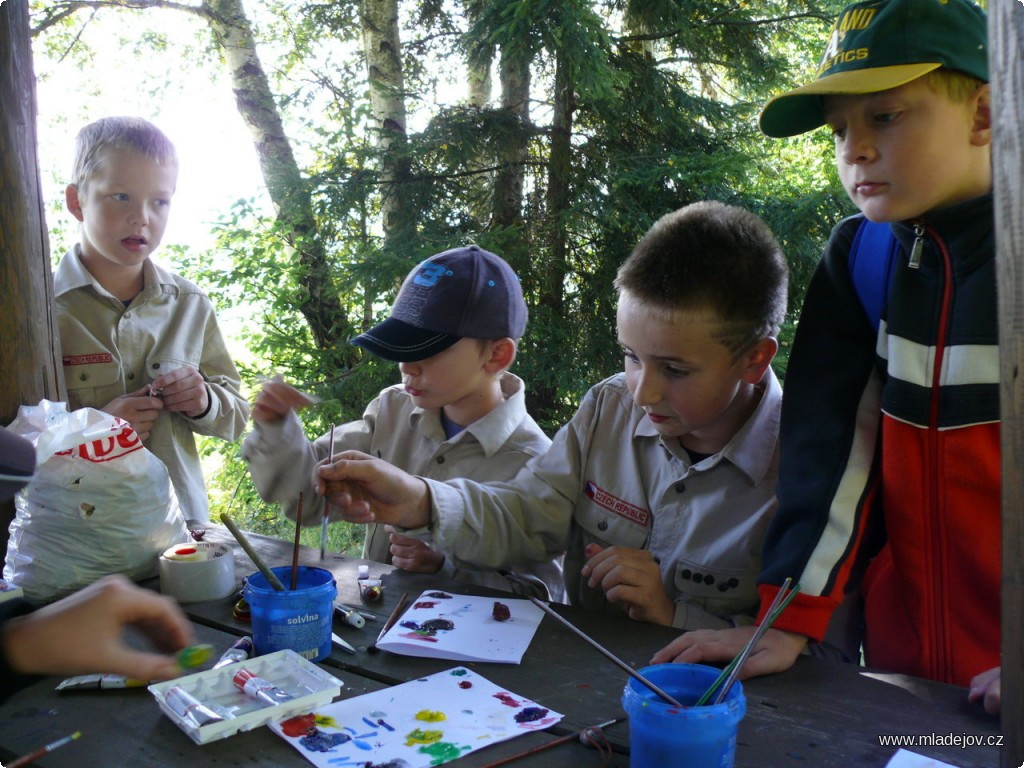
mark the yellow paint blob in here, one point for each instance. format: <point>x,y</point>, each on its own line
<point>418,736</point>
<point>430,716</point>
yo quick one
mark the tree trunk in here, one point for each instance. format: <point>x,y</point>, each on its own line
<point>552,283</point>
<point>320,303</point>
<point>383,51</point>
<point>515,100</point>
<point>1006,35</point>
<point>30,364</point>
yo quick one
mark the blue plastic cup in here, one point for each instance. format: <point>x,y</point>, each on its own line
<point>662,735</point>
<point>298,618</point>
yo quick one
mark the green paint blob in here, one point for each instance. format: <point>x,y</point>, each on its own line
<point>442,752</point>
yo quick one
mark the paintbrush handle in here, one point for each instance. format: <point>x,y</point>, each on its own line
<point>608,654</point>
<point>394,615</point>
<point>268,574</point>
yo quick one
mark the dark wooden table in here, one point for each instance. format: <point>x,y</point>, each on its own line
<point>820,714</point>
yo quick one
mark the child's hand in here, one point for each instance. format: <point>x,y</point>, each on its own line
<point>84,632</point>
<point>183,390</point>
<point>276,399</point>
<point>776,651</point>
<point>413,555</point>
<point>632,577</point>
<point>138,408</point>
<point>987,688</point>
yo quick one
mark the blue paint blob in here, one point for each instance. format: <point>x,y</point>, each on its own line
<point>319,741</point>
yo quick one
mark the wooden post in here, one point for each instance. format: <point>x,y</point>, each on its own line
<point>1006,36</point>
<point>30,364</point>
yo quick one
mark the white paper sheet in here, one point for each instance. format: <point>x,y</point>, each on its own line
<point>905,759</point>
<point>443,625</point>
<point>425,722</point>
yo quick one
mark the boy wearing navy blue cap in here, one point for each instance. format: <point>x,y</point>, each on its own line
<point>892,434</point>
<point>453,330</point>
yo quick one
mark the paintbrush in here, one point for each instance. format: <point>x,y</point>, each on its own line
<point>323,522</point>
<point>31,757</point>
<point>268,574</point>
<point>295,548</point>
<point>391,620</point>
<point>608,654</point>
<point>732,669</point>
<point>583,735</point>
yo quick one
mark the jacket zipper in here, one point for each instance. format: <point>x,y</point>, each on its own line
<point>940,628</point>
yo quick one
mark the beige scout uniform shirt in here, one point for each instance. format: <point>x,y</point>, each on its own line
<point>610,479</point>
<point>494,447</point>
<point>110,350</point>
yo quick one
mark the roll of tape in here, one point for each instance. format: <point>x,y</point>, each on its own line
<point>192,573</point>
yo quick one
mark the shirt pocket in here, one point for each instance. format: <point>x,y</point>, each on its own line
<point>602,526</point>
<point>719,590</point>
<point>92,384</point>
<point>159,363</point>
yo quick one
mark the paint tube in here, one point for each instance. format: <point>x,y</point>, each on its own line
<point>92,682</point>
<point>189,708</point>
<point>260,689</point>
<point>240,651</point>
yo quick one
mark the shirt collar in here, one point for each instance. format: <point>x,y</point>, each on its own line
<point>494,429</point>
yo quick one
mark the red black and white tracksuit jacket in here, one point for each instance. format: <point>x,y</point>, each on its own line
<point>890,451</point>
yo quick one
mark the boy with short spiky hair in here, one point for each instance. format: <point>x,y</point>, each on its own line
<point>660,487</point>
<point>893,432</point>
<point>140,342</point>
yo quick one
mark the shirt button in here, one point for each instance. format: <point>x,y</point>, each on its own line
<point>680,486</point>
<point>603,525</point>
<point>440,459</point>
<point>709,579</point>
<point>82,377</point>
<point>156,365</point>
<point>131,376</point>
<point>127,315</point>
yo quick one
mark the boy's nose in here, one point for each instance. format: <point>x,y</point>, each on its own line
<point>857,147</point>
<point>408,369</point>
<point>647,390</point>
<point>139,215</point>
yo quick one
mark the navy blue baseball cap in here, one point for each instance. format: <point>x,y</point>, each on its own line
<point>460,293</point>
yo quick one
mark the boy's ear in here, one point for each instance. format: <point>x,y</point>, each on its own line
<point>71,199</point>
<point>981,128</point>
<point>503,354</point>
<point>757,359</point>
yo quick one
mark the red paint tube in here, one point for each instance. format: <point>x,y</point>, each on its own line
<point>188,707</point>
<point>258,688</point>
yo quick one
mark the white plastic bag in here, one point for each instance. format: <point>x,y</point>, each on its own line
<point>99,503</point>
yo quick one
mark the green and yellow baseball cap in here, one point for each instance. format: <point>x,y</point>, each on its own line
<point>882,44</point>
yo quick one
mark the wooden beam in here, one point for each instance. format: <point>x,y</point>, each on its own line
<point>1006,36</point>
<point>30,364</point>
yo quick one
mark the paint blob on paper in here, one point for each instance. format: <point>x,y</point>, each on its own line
<point>441,625</point>
<point>404,726</point>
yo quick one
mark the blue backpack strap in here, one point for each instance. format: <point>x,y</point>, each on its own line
<point>872,254</point>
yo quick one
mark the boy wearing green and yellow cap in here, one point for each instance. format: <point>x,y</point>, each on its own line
<point>890,435</point>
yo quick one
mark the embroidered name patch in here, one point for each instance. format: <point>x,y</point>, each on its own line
<point>99,357</point>
<point>620,507</point>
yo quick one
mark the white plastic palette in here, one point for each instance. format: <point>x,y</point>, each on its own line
<point>310,686</point>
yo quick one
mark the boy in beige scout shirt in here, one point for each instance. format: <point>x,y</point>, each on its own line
<point>140,342</point>
<point>458,412</point>
<point>661,486</point>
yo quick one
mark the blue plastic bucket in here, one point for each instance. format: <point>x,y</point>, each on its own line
<point>664,736</point>
<point>299,619</point>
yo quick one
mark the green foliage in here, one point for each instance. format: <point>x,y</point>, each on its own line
<point>665,101</point>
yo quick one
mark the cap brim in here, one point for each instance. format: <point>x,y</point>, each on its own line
<point>403,343</point>
<point>800,110</point>
<point>17,460</point>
